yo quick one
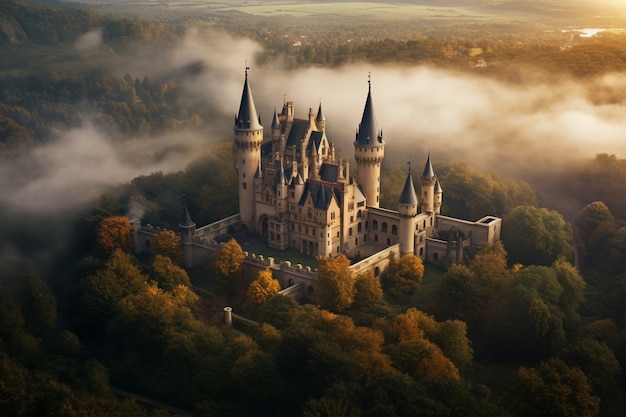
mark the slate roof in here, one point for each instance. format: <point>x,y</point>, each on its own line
<point>247,117</point>
<point>297,132</point>
<point>320,194</point>
<point>329,172</point>
<point>368,134</point>
<point>408,195</point>
<point>428,169</point>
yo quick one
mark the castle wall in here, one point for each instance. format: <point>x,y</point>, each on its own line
<point>485,230</point>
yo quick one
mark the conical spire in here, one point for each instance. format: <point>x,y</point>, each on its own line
<point>186,218</point>
<point>320,114</point>
<point>247,118</point>
<point>259,172</point>
<point>408,195</point>
<point>275,122</point>
<point>429,173</point>
<point>368,133</point>
<point>279,179</point>
<point>438,189</point>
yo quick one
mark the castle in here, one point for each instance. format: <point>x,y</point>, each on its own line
<point>296,194</point>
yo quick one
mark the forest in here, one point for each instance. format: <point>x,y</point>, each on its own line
<point>535,325</point>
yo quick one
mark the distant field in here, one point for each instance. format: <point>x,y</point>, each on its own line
<point>392,11</point>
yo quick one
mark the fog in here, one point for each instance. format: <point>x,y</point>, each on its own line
<point>533,127</point>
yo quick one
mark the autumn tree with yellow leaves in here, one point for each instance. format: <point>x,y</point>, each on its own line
<point>335,282</point>
<point>262,288</point>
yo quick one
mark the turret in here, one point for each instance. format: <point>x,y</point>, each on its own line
<point>280,186</point>
<point>187,227</point>
<point>408,213</point>
<point>298,186</point>
<point>438,197</point>
<point>428,187</point>
<point>248,139</point>
<point>320,119</point>
<point>369,151</point>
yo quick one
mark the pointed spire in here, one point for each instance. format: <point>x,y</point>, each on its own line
<point>429,173</point>
<point>275,122</point>
<point>438,189</point>
<point>186,218</point>
<point>280,175</point>
<point>320,114</point>
<point>259,172</point>
<point>247,117</point>
<point>368,133</point>
<point>408,195</point>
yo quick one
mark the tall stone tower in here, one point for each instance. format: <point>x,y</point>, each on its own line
<point>428,187</point>
<point>369,151</point>
<point>408,213</point>
<point>248,140</point>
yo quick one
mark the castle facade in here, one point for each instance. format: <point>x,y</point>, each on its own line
<point>297,194</point>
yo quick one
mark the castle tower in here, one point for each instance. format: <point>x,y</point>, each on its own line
<point>187,227</point>
<point>428,187</point>
<point>248,140</point>
<point>369,151</point>
<point>438,197</point>
<point>408,213</point>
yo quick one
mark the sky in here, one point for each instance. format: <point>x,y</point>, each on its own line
<point>538,125</point>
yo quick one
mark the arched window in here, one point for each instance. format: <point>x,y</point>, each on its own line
<point>394,230</point>
<point>359,214</point>
<point>384,227</point>
<point>290,283</point>
<point>360,227</point>
<point>435,257</point>
<point>374,225</point>
<point>422,251</point>
<point>376,271</point>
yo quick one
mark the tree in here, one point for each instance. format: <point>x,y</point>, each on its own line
<point>39,305</point>
<point>536,236</point>
<point>335,282</point>
<point>262,288</point>
<point>532,323</point>
<point>421,358</point>
<point>279,311</point>
<point>450,336</point>
<point>553,389</point>
<point>405,274</point>
<point>367,289</point>
<point>228,262</point>
<point>103,290</point>
<point>595,359</point>
<point>167,274</point>
<point>167,243</point>
<point>114,233</point>
<point>591,216</point>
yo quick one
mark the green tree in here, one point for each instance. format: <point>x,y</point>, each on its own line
<point>167,274</point>
<point>114,233</point>
<point>279,311</point>
<point>259,290</point>
<point>592,216</point>
<point>536,236</point>
<point>103,290</point>
<point>39,305</point>
<point>335,281</point>
<point>595,359</point>
<point>553,389</point>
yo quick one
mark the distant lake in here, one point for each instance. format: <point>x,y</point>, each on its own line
<point>590,32</point>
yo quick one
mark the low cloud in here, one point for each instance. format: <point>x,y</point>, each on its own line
<point>89,41</point>
<point>526,129</point>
